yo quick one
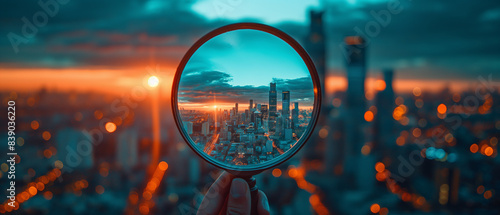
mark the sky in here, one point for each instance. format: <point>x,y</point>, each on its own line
<point>108,45</point>
<point>239,65</point>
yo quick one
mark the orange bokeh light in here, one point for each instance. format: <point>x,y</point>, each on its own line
<point>46,135</point>
<point>474,148</point>
<point>369,116</point>
<point>47,195</point>
<point>35,125</point>
<point>416,132</point>
<point>375,208</point>
<point>380,85</point>
<point>488,151</point>
<point>110,127</point>
<point>99,189</point>
<point>380,167</point>
<point>32,190</point>
<point>163,166</point>
<point>442,109</point>
<point>488,194</point>
<point>276,172</point>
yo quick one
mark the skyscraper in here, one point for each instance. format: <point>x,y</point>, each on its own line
<point>383,126</point>
<point>315,44</point>
<point>272,107</point>
<point>236,108</point>
<point>355,164</point>
<point>264,110</point>
<point>251,104</point>
<point>295,115</point>
<point>205,128</point>
<point>285,108</point>
<point>188,126</point>
<point>355,59</point>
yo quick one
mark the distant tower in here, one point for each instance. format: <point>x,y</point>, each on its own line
<point>251,104</point>
<point>356,166</point>
<point>205,128</point>
<point>315,44</point>
<point>285,109</point>
<point>355,59</point>
<point>383,123</point>
<point>295,115</point>
<point>264,111</point>
<point>236,108</point>
<point>272,107</point>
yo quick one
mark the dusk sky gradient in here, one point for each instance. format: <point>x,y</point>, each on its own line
<point>103,45</point>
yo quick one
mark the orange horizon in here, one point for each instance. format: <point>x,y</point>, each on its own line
<point>115,81</point>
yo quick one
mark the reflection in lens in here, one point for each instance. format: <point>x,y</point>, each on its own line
<point>245,97</point>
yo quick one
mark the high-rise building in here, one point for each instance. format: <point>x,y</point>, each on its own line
<point>354,53</point>
<point>357,167</point>
<point>315,44</point>
<point>383,127</point>
<point>188,126</point>
<point>295,115</point>
<point>205,128</point>
<point>236,108</point>
<point>272,107</point>
<point>264,110</point>
<point>285,109</point>
<point>251,104</point>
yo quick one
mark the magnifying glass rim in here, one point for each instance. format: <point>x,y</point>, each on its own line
<point>254,168</point>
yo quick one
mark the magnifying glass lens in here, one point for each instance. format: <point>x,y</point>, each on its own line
<point>245,99</point>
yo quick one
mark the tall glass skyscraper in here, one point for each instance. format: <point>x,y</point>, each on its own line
<point>295,115</point>
<point>285,108</point>
<point>272,107</point>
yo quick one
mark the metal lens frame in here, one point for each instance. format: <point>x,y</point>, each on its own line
<point>254,168</point>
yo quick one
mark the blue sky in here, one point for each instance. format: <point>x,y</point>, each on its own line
<point>250,57</point>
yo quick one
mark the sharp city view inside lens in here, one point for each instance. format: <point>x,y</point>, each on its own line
<point>245,101</point>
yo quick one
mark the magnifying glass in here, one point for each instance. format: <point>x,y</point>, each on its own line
<point>246,98</point>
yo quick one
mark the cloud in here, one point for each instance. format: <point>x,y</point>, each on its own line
<point>209,86</point>
<point>460,43</point>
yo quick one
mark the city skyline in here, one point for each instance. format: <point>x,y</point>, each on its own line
<point>248,135</point>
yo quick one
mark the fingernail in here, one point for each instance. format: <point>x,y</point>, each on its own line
<point>238,188</point>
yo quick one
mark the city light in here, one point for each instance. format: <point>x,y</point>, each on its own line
<point>380,167</point>
<point>153,81</point>
<point>441,109</point>
<point>276,172</point>
<point>380,85</point>
<point>46,135</point>
<point>368,116</point>
<point>375,208</point>
<point>34,124</point>
<point>474,148</point>
<point>110,127</point>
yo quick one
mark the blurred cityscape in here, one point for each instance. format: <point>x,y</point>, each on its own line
<point>374,151</point>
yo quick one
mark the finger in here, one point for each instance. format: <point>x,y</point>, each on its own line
<point>263,204</point>
<point>239,198</point>
<point>216,195</point>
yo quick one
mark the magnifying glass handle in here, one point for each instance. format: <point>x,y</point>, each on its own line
<point>254,192</point>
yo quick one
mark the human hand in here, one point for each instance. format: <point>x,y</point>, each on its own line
<point>230,195</point>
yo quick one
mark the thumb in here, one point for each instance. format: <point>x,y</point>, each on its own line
<point>239,198</point>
